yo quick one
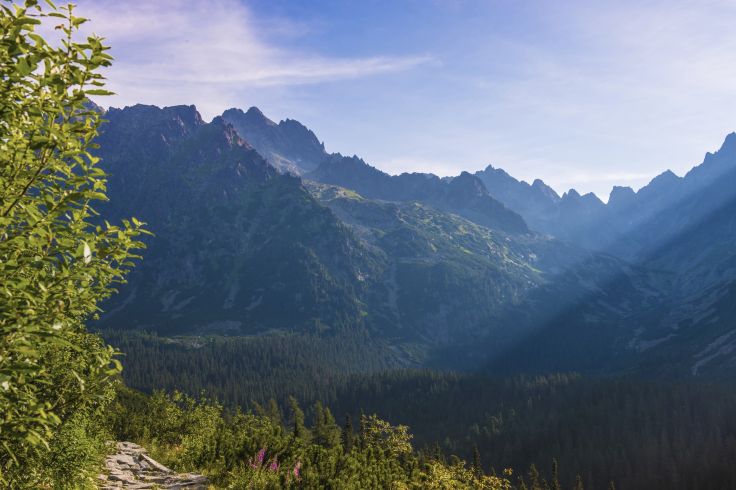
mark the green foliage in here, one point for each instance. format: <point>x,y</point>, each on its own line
<point>246,450</point>
<point>56,264</point>
<point>379,434</point>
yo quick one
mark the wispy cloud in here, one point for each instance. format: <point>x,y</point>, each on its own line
<point>583,93</point>
<point>207,52</point>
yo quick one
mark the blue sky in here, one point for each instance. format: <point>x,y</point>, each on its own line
<point>584,94</point>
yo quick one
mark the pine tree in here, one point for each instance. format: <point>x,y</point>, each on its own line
<point>555,476</point>
<point>579,483</point>
<point>347,435</point>
<point>318,429</point>
<point>331,436</point>
<point>297,416</point>
<point>534,481</point>
<point>437,453</point>
<point>477,467</point>
<point>362,431</point>
<point>274,412</point>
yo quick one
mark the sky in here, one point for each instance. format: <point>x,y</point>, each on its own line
<point>583,94</point>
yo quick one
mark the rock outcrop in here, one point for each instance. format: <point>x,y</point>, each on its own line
<point>132,468</point>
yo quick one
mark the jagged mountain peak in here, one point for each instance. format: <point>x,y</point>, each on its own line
<point>186,116</point>
<point>572,194</point>
<point>592,198</point>
<point>496,170</point>
<point>621,196</point>
<point>663,181</point>
<point>255,115</point>
<point>729,143</point>
<point>289,146</point>
<point>469,183</point>
<point>545,190</point>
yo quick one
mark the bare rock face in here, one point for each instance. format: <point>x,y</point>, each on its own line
<point>132,468</point>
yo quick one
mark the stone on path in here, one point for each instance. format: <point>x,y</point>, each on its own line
<point>132,468</point>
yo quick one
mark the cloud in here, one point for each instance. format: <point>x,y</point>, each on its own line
<point>208,52</point>
<point>576,92</point>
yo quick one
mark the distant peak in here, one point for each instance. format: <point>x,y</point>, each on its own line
<point>571,194</point>
<point>729,144</point>
<point>188,112</point>
<point>621,189</point>
<point>254,112</point>
<point>469,183</point>
<point>187,115</point>
<point>490,169</point>
<point>621,196</point>
<point>540,187</point>
<point>592,198</point>
<point>252,116</point>
<point>666,177</point>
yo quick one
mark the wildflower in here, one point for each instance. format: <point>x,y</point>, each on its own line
<point>297,469</point>
<point>257,462</point>
<point>274,465</point>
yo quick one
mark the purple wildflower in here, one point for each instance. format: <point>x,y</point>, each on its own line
<point>297,469</point>
<point>258,461</point>
<point>274,465</point>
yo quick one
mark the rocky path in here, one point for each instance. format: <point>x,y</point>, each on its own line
<point>132,468</point>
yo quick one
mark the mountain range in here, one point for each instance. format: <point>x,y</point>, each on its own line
<point>258,229</point>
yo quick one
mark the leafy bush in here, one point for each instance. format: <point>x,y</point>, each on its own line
<point>58,260</point>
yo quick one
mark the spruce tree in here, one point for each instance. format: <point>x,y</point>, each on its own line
<point>534,482</point>
<point>297,417</point>
<point>362,431</point>
<point>332,435</point>
<point>579,483</point>
<point>274,412</point>
<point>477,467</point>
<point>347,435</point>
<point>318,428</point>
<point>555,476</point>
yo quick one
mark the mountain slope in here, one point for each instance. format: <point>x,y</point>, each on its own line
<point>484,294</point>
<point>292,148</point>
<point>682,230</point>
<point>237,247</point>
<point>464,195</point>
<point>241,249</point>
<point>437,269</point>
